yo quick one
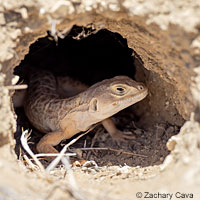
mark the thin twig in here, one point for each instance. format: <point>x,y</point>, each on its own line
<point>28,150</point>
<point>111,149</point>
<point>53,154</point>
<point>61,154</point>
<point>128,153</point>
<point>93,142</point>
<point>17,87</point>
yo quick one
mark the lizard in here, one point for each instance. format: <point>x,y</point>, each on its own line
<point>61,118</point>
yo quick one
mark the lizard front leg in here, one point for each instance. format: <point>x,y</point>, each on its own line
<point>115,133</point>
<point>48,141</point>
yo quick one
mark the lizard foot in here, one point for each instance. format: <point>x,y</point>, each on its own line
<point>115,133</point>
<point>47,142</point>
<point>122,136</point>
<point>46,148</point>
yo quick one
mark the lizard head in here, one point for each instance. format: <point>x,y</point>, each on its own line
<point>113,95</point>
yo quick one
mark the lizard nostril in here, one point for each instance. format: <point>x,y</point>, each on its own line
<point>140,87</point>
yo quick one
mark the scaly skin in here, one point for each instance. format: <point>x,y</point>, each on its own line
<point>62,118</point>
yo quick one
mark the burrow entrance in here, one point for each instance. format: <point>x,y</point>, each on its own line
<point>90,56</point>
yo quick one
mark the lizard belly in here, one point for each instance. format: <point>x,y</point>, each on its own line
<point>81,121</point>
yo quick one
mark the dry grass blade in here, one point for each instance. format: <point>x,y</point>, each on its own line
<point>28,150</point>
<point>75,191</point>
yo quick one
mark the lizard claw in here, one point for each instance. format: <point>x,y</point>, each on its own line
<point>115,133</point>
<point>122,136</point>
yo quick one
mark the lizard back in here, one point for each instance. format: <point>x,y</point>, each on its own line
<point>43,105</point>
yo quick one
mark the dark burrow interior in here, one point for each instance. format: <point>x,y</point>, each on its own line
<point>90,56</point>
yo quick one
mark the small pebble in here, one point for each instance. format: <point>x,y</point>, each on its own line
<point>109,163</point>
<point>76,164</point>
<point>91,163</point>
<point>171,144</point>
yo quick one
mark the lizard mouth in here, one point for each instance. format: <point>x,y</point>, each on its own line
<point>134,99</point>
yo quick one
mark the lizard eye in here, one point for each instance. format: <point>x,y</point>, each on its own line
<point>119,89</point>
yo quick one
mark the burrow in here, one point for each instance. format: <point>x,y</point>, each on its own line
<point>144,53</point>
